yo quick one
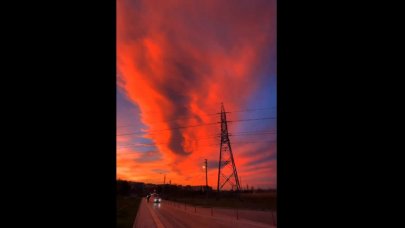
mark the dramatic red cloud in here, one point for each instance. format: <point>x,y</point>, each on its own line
<point>180,58</point>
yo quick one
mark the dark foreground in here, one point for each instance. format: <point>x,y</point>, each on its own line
<point>127,208</point>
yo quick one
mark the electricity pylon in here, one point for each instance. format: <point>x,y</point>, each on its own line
<point>226,166</point>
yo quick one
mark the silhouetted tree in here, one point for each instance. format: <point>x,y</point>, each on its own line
<point>123,188</point>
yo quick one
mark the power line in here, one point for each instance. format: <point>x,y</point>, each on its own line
<point>236,134</point>
<point>198,125</point>
<point>207,145</point>
<point>215,145</point>
<point>268,133</point>
<point>209,114</point>
<point>201,139</point>
<point>243,133</point>
<point>265,118</point>
<point>168,129</point>
<point>252,110</point>
<point>170,120</point>
<point>252,132</point>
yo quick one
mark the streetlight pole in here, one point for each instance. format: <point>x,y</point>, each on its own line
<point>206,176</point>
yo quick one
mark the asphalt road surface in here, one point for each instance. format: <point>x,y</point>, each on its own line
<point>176,215</point>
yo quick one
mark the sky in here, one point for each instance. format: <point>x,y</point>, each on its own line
<point>177,61</point>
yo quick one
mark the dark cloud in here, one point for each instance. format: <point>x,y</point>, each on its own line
<point>261,160</point>
<point>148,156</point>
<point>159,170</point>
<point>175,144</point>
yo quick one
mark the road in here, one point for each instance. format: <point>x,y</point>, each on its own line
<point>175,215</point>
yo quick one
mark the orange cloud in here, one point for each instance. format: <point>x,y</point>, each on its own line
<point>181,59</point>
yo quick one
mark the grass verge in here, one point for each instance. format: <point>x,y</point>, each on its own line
<point>127,207</point>
<point>247,201</point>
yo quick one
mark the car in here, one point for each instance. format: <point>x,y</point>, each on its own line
<point>157,199</point>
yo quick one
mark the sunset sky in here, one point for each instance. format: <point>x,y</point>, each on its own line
<point>177,60</point>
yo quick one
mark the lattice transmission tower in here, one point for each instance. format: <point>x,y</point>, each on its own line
<point>226,166</point>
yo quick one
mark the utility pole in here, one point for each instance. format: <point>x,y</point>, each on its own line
<point>164,184</point>
<point>206,176</point>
